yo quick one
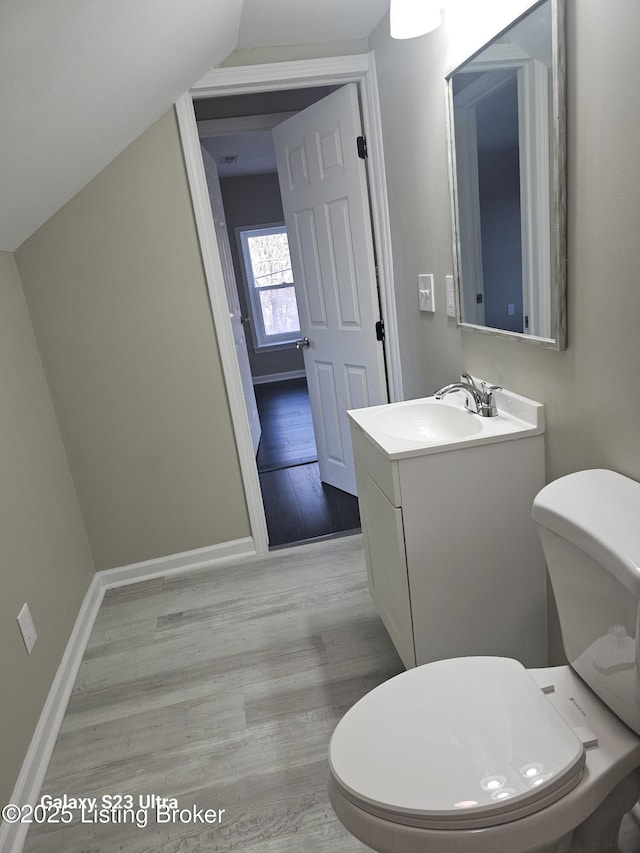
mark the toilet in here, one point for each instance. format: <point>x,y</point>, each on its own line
<point>479,754</point>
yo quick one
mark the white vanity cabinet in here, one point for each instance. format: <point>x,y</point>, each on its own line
<point>385,555</point>
<point>453,557</point>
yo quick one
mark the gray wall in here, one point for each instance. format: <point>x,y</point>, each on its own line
<point>118,300</point>
<point>45,557</point>
<point>590,391</point>
<point>255,200</point>
<point>411,93</point>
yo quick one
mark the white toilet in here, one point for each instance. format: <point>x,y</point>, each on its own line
<point>478,754</point>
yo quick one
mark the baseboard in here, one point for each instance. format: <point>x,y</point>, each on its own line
<point>34,767</point>
<point>188,561</point>
<point>279,377</point>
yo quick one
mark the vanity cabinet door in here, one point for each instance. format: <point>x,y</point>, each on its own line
<point>383,533</point>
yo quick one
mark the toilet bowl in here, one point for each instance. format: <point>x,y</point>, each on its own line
<point>479,754</point>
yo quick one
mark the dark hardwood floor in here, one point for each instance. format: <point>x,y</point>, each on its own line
<point>298,506</point>
<point>287,428</point>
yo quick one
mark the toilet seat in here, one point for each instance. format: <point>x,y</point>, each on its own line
<point>458,744</point>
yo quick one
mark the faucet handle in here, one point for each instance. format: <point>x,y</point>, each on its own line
<point>466,377</point>
<point>489,405</point>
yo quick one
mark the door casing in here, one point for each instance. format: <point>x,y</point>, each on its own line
<point>359,69</point>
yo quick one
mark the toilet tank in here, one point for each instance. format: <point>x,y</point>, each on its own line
<point>589,524</point>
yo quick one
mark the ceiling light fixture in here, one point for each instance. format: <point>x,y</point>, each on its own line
<point>411,18</point>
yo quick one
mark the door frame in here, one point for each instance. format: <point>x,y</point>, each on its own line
<point>535,199</point>
<point>359,69</point>
<point>230,286</point>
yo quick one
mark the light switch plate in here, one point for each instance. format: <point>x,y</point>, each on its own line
<point>425,291</point>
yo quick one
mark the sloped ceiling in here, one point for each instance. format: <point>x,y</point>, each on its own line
<point>81,79</point>
<point>266,23</point>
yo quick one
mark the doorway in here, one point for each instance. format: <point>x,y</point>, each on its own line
<point>298,505</point>
<point>237,147</point>
<point>267,78</point>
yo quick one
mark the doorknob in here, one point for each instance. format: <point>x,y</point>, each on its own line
<point>303,343</point>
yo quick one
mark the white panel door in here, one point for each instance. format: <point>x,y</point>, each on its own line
<point>326,210</point>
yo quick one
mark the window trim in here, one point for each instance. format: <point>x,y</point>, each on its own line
<point>261,341</point>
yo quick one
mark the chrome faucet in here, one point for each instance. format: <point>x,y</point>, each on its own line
<point>483,398</point>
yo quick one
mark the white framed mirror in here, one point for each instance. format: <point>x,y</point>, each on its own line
<point>507,144</point>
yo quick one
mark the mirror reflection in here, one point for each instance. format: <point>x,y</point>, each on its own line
<point>507,140</point>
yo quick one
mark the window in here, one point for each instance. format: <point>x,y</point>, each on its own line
<point>272,296</point>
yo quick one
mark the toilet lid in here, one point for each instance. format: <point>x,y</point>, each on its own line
<point>460,743</point>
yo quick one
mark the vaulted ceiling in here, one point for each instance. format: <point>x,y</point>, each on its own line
<point>81,79</point>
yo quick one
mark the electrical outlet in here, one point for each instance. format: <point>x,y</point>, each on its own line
<point>425,291</point>
<point>27,628</point>
<point>450,295</point>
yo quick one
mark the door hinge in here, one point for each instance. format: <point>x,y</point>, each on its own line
<point>380,330</point>
<point>361,143</point>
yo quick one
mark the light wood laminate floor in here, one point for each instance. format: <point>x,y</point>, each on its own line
<point>221,689</point>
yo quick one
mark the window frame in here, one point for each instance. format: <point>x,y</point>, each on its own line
<point>261,340</point>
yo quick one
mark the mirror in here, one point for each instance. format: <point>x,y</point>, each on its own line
<point>507,168</point>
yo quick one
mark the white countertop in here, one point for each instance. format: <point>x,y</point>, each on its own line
<point>518,417</point>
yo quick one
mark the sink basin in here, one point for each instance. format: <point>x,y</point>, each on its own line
<point>427,420</point>
<point>427,425</point>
